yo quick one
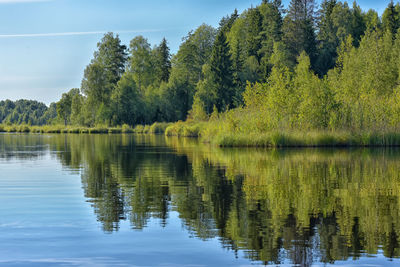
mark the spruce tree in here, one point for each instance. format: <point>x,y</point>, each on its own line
<point>253,33</point>
<point>358,24</point>
<point>222,72</point>
<point>298,28</point>
<point>163,61</point>
<point>272,20</point>
<point>390,19</point>
<point>327,39</point>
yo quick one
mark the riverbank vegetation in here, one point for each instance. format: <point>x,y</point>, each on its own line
<point>266,77</point>
<point>155,128</point>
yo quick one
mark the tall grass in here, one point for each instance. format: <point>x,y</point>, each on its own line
<point>58,129</point>
<point>185,129</point>
<point>156,128</point>
<point>244,128</point>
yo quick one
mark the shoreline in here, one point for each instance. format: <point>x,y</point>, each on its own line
<point>273,139</point>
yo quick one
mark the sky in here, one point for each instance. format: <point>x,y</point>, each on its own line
<point>45,45</point>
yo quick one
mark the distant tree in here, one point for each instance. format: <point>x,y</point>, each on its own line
<point>64,105</point>
<point>77,111</point>
<point>25,112</point>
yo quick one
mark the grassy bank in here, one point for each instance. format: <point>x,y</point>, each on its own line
<point>240,128</point>
<point>305,139</point>
<point>156,128</point>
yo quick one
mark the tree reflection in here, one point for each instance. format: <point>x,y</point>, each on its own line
<point>304,205</point>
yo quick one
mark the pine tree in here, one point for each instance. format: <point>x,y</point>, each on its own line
<point>271,32</point>
<point>328,41</point>
<point>222,72</point>
<point>390,19</point>
<point>358,25</point>
<point>226,23</point>
<point>253,35</point>
<point>163,61</point>
<point>298,28</point>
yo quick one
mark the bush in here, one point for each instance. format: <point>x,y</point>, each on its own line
<point>146,129</point>
<point>158,127</point>
<point>126,129</point>
<point>138,129</point>
<point>115,130</point>
<point>98,130</point>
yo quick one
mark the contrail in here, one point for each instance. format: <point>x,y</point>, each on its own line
<point>55,34</point>
<point>21,1</point>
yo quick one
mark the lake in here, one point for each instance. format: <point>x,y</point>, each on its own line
<point>148,200</point>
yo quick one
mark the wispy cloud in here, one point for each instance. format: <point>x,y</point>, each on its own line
<point>21,1</point>
<point>55,34</point>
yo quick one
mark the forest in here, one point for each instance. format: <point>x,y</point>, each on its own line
<point>332,67</point>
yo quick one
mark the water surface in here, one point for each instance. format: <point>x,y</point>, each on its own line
<point>121,200</point>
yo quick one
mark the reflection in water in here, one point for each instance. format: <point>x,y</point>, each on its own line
<point>303,205</point>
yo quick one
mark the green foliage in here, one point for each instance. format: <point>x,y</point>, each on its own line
<point>258,63</point>
<point>26,112</point>
<point>298,29</point>
<point>221,73</point>
<point>163,61</point>
<point>158,127</point>
<point>391,18</point>
<point>101,77</point>
<point>141,62</point>
<point>197,113</point>
<point>64,106</point>
<point>185,129</point>
<point>127,102</point>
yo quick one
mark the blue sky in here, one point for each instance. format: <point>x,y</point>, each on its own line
<point>46,44</point>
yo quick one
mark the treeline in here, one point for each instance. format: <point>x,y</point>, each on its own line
<point>26,112</point>
<point>332,67</point>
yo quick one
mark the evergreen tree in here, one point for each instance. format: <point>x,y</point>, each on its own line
<point>226,23</point>
<point>271,12</point>
<point>298,28</point>
<point>327,38</point>
<point>163,61</point>
<point>222,73</point>
<point>390,19</point>
<point>358,25</point>
<point>254,28</point>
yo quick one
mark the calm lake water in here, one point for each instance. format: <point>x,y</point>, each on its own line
<point>122,200</point>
